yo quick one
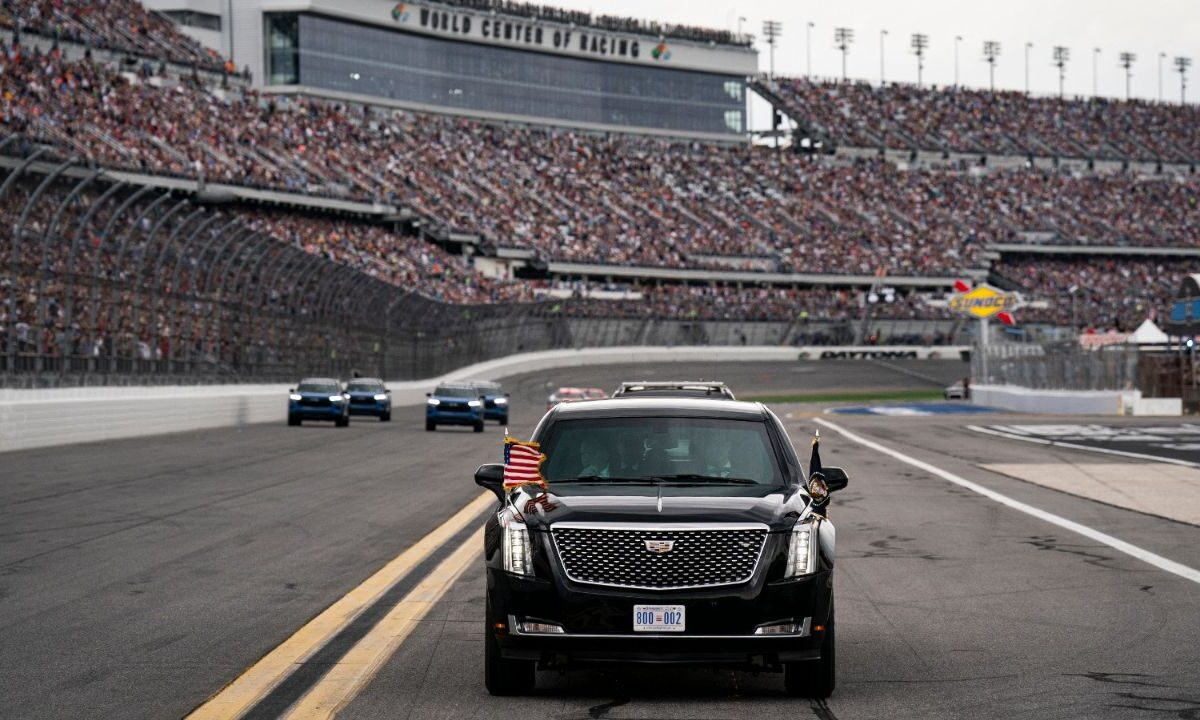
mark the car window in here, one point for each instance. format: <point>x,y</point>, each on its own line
<point>319,388</point>
<point>455,392</point>
<point>675,450</point>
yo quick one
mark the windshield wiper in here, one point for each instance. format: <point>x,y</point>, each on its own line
<point>698,479</point>
<point>601,480</point>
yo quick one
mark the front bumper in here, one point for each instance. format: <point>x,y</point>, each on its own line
<point>370,407</point>
<point>316,412</point>
<point>720,622</point>
<point>496,412</point>
<point>454,417</point>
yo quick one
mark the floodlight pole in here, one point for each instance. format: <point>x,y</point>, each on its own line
<point>919,44</point>
<point>1161,56</point>
<point>1181,66</point>
<point>1028,46</point>
<point>1095,81</point>
<point>772,29</point>
<point>843,37</point>
<point>991,51</point>
<point>957,40</point>
<point>808,49</point>
<point>1127,60</point>
<point>882,78</point>
<point>1061,56</point>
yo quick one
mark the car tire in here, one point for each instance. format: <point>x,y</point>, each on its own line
<point>503,676</point>
<point>430,426</point>
<point>479,426</point>
<point>342,422</point>
<point>293,421</point>
<point>502,422</point>
<point>814,678</point>
<point>386,417</point>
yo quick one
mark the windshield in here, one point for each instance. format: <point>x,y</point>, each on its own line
<point>454,392</point>
<point>318,387</point>
<point>672,451</point>
<point>364,387</point>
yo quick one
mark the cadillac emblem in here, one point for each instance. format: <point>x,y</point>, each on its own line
<point>660,546</point>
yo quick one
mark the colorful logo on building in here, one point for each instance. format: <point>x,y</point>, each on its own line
<point>984,301</point>
<point>661,52</point>
<point>400,12</point>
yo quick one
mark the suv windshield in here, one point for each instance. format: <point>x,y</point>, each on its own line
<point>627,455</point>
<point>455,392</point>
<point>312,387</point>
<point>364,387</point>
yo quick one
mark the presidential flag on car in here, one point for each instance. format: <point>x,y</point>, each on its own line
<point>522,464</point>
<point>814,462</point>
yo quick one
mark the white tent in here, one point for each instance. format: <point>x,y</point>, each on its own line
<point>1148,333</point>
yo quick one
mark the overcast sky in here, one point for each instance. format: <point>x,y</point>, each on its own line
<point>1144,27</point>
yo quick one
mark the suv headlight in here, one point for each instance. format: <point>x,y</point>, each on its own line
<point>501,401</point>
<point>802,548</point>
<point>518,553</point>
<point>434,401</point>
<point>381,397</point>
<point>336,398</point>
<point>294,396</point>
<point>474,403</point>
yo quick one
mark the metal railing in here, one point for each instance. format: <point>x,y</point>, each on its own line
<point>1057,366</point>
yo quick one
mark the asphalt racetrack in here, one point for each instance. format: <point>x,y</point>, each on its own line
<point>188,573</point>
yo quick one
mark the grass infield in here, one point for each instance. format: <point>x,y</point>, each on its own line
<point>851,396</point>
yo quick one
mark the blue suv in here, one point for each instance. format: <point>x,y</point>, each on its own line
<point>495,400</point>
<point>368,396</point>
<point>318,399</point>
<point>453,404</point>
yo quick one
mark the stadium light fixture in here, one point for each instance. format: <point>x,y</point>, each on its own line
<point>991,51</point>
<point>772,30</point>
<point>882,79</point>
<point>1127,60</point>
<point>808,49</point>
<point>1062,55</point>
<point>957,40</point>
<point>843,37</point>
<point>1028,47</point>
<point>1095,82</point>
<point>919,44</point>
<point>1181,66</point>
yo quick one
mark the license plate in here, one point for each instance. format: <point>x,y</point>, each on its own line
<point>658,618</point>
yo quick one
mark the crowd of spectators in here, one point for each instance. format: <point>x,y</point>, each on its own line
<point>122,26</point>
<point>1096,292</point>
<point>613,23</point>
<point>582,197</point>
<point>968,120</point>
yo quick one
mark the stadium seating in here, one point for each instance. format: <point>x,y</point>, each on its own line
<point>965,120</point>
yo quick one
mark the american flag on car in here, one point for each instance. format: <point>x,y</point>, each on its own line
<point>522,464</point>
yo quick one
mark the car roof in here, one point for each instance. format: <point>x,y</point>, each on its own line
<point>366,380</point>
<point>661,406</point>
<point>676,388</point>
<point>566,390</point>
<point>316,380</point>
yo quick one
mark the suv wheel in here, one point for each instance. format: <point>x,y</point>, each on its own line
<point>430,426</point>
<point>342,422</point>
<point>479,426</point>
<point>814,678</point>
<point>504,676</point>
<point>293,421</point>
<point>386,417</point>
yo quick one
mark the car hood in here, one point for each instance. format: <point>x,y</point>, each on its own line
<point>316,395</point>
<point>365,393</point>
<point>779,511</point>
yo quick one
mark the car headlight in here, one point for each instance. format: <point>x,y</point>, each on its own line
<point>381,396</point>
<point>518,553</point>
<point>474,403</point>
<point>501,401</point>
<point>434,401</point>
<point>294,396</point>
<point>802,548</point>
<point>336,398</point>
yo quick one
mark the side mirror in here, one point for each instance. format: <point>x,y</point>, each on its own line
<point>835,478</point>
<point>291,390</point>
<point>386,390</point>
<point>428,394</point>
<point>491,477</point>
<point>507,394</point>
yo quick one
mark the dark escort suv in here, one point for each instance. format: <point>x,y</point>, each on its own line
<point>674,531</point>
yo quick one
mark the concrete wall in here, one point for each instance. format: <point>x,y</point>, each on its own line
<point>42,418</point>
<point>1074,402</point>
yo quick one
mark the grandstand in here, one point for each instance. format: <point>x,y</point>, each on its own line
<point>606,216</point>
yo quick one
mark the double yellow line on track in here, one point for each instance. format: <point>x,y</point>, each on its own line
<point>355,669</point>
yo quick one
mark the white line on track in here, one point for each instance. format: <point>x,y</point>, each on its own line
<point>1134,551</point>
<point>1089,448</point>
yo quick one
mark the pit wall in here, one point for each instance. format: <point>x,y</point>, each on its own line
<point>61,416</point>
<point>1074,402</point>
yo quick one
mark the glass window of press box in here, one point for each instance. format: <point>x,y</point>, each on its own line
<point>330,54</point>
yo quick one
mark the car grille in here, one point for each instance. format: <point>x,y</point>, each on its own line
<point>699,557</point>
<point>315,402</point>
<point>363,400</point>
<point>453,406</point>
